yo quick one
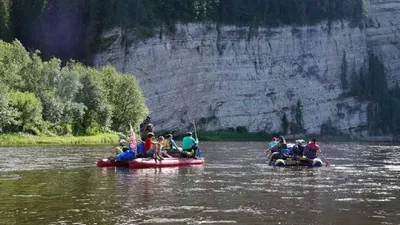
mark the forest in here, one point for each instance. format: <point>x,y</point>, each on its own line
<point>44,97</point>
<point>69,29</point>
<point>370,85</point>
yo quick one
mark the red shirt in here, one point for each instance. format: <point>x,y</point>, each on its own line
<point>147,144</point>
<point>313,146</point>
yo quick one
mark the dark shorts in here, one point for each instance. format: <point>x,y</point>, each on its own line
<point>150,153</point>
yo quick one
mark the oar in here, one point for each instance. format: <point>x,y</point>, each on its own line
<point>199,154</point>
<point>327,163</point>
<point>195,131</point>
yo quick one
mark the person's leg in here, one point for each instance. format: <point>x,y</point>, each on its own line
<point>156,152</point>
<point>274,156</point>
<point>150,153</point>
<point>186,153</point>
<point>160,155</point>
<point>195,147</point>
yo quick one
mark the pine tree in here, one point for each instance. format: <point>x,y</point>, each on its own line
<point>5,31</point>
<point>343,74</point>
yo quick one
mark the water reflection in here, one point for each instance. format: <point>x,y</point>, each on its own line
<point>58,185</point>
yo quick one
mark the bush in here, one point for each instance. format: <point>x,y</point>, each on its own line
<point>29,107</point>
<point>8,114</point>
<point>242,130</point>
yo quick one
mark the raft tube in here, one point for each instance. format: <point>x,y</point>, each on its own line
<point>112,163</point>
<point>167,162</point>
<point>317,162</point>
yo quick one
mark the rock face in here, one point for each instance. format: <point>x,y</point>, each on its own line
<point>383,34</point>
<point>227,76</point>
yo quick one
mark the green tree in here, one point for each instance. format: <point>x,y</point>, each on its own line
<point>285,124</point>
<point>299,117</point>
<point>98,112</point>
<point>13,57</point>
<point>8,114</point>
<point>30,109</point>
<point>343,73</point>
<point>5,30</point>
<point>126,97</point>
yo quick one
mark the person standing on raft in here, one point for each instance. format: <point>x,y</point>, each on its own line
<point>158,149</point>
<point>146,127</point>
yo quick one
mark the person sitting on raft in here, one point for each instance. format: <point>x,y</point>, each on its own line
<point>276,151</point>
<point>272,143</point>
<point>271,146</point>
<point>169,145</point>
<point>311,149</point>
<point>122,152</point>
<point>189,146</point>
<point>298,149</point>
<point>150,145</point>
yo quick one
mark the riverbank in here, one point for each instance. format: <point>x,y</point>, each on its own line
<point>25,139</point>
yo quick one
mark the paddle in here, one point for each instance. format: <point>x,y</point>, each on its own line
<point>199,154</point>
<point>195,131</point>
<point>327,163</point>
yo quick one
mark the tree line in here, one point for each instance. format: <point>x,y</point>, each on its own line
<point>44,97</point>
<point>69,29</point>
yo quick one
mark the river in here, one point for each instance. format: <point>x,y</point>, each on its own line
<point>62,185</point>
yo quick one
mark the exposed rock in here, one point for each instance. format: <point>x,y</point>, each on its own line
<point>227,76</point>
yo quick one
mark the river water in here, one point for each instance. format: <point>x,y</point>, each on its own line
<point>62,185</point>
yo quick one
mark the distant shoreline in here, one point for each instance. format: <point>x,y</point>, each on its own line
<point>14,140</point>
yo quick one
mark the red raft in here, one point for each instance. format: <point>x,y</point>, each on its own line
<point>150,163</point>
<point>112,163</point>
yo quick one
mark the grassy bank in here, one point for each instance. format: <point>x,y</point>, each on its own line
<point>24,140</point>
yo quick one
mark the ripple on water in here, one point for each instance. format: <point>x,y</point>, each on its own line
<point>216,222</point>
<point>349,200</point>
<point>159,220</point>
<point>6,177</point>
<point>240,209</point>
<point>392,167</point>
<point>27,196</point>
<point>226,190</point>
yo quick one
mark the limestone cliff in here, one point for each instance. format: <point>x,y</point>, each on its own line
<point>227,76</point>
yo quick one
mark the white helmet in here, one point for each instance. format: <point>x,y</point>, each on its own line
<point>122,142</point>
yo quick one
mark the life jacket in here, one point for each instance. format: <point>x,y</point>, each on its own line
<point>313,146</point>
<point>140,148</point>
<point>166,144</point>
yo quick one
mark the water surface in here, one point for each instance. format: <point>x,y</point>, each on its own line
<point>62,185</point>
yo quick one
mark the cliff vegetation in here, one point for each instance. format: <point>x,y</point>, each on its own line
<point>70,29</point>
